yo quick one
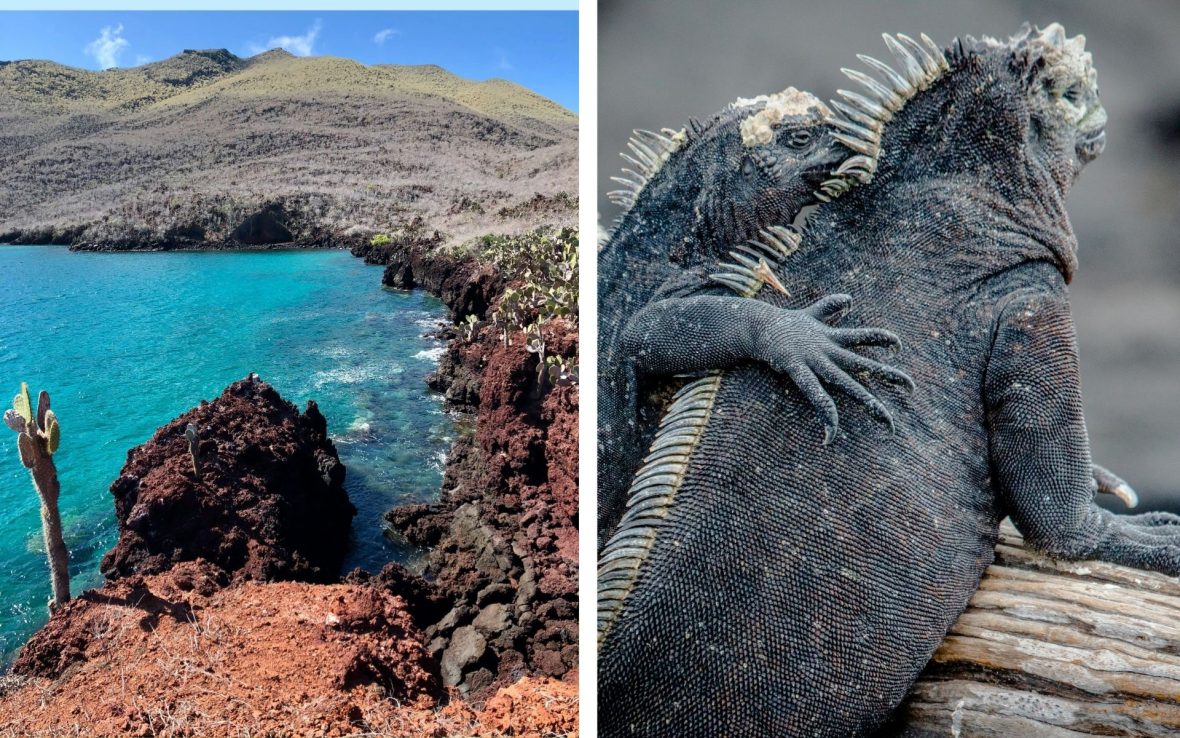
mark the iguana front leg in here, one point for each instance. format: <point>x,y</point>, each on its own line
<point>1040,451</point>
<point>717,332</point>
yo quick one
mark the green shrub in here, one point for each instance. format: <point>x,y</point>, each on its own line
<point>543,267</point>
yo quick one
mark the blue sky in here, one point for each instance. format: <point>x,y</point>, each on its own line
<point>536,49</point>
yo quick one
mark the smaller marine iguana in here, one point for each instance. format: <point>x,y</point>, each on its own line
<point>694,197</point>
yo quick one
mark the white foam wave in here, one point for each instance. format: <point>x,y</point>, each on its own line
<point>361,425</point>
<point>355,374</point>
<point>431,354</point>
<point>431,324</point>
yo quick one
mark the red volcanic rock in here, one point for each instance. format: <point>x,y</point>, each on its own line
<point>269,503</point>
<point>504,537</point>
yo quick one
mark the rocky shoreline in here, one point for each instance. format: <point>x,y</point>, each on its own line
<point>75,240</point>
<point>279,225</point>
<point>223,608</point>
<point>503,536</point>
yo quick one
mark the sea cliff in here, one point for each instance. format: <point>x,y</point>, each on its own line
<point>224,610</point>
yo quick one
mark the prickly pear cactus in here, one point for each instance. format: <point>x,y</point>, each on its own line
<point>38,438</point>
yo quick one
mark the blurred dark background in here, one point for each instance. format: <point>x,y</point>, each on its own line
<point>663,61</point>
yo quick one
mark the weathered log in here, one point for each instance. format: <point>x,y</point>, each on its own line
<point>1051,649</point>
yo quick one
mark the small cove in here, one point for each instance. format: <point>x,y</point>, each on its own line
<point>125,342</point>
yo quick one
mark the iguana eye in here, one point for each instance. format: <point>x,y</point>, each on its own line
<point>747,166</point>
<point>799,139</point>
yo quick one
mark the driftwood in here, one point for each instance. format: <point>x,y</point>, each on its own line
<point>1050,649</point>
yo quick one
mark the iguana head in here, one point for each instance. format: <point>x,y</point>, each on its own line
<point>1068,121</point>
<point>756,163</point>
<point>766,158</point>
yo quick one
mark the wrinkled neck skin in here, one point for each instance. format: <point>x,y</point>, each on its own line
<point>963,161</point>
<point>735,213</point>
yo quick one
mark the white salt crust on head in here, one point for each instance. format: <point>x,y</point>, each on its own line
<point>758,129</point>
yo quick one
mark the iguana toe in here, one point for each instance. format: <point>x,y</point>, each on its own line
<point>854,362</point>
<point>815,394</point>
<point>861,337</point>
<point>829,309</point>
<point>834,376</point>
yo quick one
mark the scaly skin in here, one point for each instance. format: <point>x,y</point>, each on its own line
<point>756,164</point>
<point>763,583</point>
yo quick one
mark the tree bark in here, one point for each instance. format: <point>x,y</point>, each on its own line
<point>1050,649</point>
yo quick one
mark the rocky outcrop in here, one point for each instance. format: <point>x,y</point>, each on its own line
<point>459,373</point>
<point>268,504</point>
<point>466,285</point>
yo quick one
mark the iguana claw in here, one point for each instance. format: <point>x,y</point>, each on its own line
<point>1107,482</point>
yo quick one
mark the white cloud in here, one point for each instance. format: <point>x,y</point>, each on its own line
<point>298,45</point>
<point>108,46</point>
<point>142,59</point>
<point>503,62</point>
<point>383,35</point>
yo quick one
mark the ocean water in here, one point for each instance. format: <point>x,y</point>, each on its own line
<point>126,342</point>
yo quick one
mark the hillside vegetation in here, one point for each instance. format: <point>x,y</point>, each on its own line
<point>206,148</point>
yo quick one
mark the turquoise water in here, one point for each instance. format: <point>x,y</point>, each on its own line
<point>126,342</point>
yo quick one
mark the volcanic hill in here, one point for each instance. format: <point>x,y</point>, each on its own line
<point>209,149</point>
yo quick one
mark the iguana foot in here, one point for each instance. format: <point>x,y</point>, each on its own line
<point>806,347</point>
<point>1150,541</point>
<point>1107,482</point>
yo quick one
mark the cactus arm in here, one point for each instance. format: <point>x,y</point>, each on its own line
<point>22,404</point>
<point>52,434</point>
<point>42,408</point>
<point>14,420</point>
<point>28,450</point>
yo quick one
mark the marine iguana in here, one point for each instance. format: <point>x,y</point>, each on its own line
<point>762,583</point>
<point>693,197</point>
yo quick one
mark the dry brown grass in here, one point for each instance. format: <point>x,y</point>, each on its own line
<point>200,139</point>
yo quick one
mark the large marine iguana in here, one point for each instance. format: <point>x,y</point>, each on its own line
<point>763,583</point>
<point>693,200</point>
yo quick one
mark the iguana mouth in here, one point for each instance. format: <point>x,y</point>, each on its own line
<point>1091,145</point>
